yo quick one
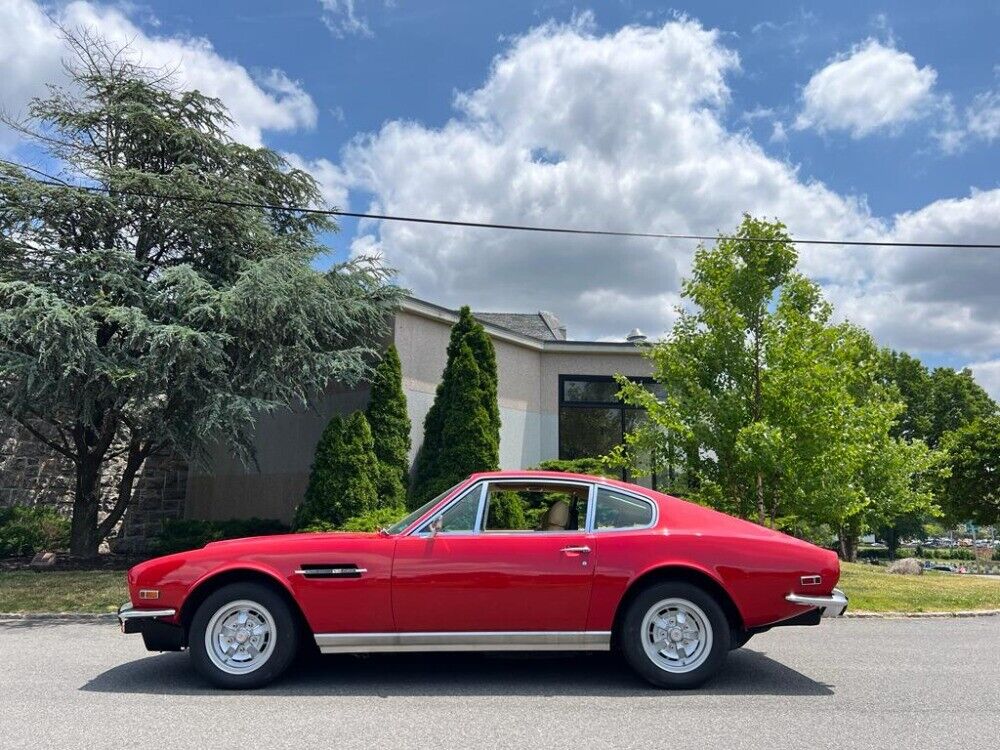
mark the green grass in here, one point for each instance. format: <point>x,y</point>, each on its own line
<point>869,587</point>
<point>62,591</point>
<point>872,589</point>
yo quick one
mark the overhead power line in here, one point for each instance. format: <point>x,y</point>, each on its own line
<point>489,225</point>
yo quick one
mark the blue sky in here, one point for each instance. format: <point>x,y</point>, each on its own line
<point>845,120</point>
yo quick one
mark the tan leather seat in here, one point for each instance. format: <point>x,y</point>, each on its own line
<point>557,517</point>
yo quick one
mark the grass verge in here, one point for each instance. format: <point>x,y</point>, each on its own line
<point>871,589</point>
<point>62,591</point>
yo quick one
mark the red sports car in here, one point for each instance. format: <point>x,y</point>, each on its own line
<point>506,561</point>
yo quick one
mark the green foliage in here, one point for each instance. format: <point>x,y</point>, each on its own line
<point>507,511</point>
<point>139,323</point>
<point>390,425</point>
<point>972,491</point>
<point>28,529</point>
<point>462,427</point>
<point>182,534</point>
<point>342,482</point>
<point>776,410</point>
<point>594,466</point>
<point>374,520</point>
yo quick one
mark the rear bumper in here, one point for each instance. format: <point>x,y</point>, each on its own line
<point>829,606</point>
<point>156,634</point>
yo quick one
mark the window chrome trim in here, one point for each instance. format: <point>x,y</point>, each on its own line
<point>533,532</point>
<point>354,643</point>
<point>635,495</point>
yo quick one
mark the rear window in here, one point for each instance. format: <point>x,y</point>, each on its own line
<point>617,510</point>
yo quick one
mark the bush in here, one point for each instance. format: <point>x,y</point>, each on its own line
<point>592,466</point>
<point>183,534</point>
<point>28,529</point>
<point>390,425</point>
<point>374,520</point>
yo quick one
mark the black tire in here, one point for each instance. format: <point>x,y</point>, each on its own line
<point>283,644</point>
<point>631,636</point>
<point>738,639</point>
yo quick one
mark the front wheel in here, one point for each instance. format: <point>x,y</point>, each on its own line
<point>242,636</point>
<point>675,635</point>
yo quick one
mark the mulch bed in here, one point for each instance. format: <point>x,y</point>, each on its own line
<point>66,562</point>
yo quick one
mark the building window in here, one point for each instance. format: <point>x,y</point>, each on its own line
<point>593,420</point>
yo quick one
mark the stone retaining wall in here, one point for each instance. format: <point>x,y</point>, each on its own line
<point>33,474</point>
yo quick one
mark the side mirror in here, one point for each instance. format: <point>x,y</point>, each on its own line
<point>435,525</point>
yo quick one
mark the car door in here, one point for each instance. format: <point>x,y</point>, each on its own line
<point>502,561</point>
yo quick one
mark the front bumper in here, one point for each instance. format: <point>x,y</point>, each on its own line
<point>830,606</point>
<point>156,634</point>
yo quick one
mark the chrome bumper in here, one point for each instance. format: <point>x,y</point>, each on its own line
<point>831,606</point>
<point>128,612</point>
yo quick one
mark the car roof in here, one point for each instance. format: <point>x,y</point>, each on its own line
<point>541,474</point>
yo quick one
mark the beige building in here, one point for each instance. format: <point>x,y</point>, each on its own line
<point>556,401</point>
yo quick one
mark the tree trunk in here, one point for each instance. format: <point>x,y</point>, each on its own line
<point>84,539</point>
<point>761,506</point>
<point>848,544</point>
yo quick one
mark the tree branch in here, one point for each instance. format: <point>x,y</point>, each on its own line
<point>137,454</point>
<point>51,443</point>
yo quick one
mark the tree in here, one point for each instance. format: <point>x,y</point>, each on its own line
<point>433,471</point>
<point>778,410</point>
<point>132,322</point>
<point>957,401</point>
<point>972,491</point>
<point>390,424</point>
<point>342,482</point>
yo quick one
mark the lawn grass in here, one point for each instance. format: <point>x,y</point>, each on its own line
<point>62,591</point>
<point>871,589</point>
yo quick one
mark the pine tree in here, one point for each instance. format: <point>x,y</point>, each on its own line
<point>430,471</point>
<point>390,426</point>
<point>342,483</point>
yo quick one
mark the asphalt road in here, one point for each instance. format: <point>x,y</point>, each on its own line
<point>844,684</point>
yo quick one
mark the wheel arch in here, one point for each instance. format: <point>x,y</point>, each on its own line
<point>217,579</point>
<point>679,573</point>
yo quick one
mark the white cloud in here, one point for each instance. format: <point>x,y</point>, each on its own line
<point>330,177</point>
<point>637,119</point>
<point>31,53</point>
<point>984,116</point>
<point>343,18</point>
<point>873,88</point>
<point>987,374</point>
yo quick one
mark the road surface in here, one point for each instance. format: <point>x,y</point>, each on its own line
<point>844,684</point>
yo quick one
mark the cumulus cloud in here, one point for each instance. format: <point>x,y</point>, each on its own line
<point>987,374</point>
<point>872,88</point>
<point>31,52</point>
<point>329,176</point>
<point>637,119</point>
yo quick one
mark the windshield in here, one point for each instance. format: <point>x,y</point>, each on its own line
<point>402,523</point>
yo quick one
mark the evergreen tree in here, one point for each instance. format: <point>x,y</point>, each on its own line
<point>429,470</point>
<point>133,323</point>
<point>342,482</point>
<point>390,426</point>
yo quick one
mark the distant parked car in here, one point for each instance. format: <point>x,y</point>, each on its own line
<point>506,561</point>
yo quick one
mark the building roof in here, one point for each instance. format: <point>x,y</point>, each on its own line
<point>541,325</point>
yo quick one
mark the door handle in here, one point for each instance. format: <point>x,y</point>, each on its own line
<point>579,550</point>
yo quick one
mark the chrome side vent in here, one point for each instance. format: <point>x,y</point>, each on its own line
<point>331,570</point>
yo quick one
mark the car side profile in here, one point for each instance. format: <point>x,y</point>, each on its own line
<point>503,561</point>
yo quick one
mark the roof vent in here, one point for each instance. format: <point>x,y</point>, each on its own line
<point>636,337</point>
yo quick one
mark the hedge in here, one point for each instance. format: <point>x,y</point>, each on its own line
<point>28,529</point>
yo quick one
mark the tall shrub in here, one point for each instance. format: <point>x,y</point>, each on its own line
<point>433,471</point>
<point>342,483</point>
<point>390,425</point>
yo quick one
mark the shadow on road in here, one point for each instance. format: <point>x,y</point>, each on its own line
<point>746,672</point>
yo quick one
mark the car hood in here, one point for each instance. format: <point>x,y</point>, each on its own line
<point>286,539</point>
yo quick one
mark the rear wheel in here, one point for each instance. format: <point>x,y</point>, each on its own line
<point>243,636</point>
<point>675,635</point>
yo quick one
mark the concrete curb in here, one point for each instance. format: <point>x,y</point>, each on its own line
<point>58,616</point>
<point>921,615</point>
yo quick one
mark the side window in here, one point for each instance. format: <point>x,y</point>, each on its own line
<point>461,516</point>
<point>535,506</point>
<point>616,510</point>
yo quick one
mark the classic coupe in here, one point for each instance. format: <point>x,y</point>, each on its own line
<point>503,561</point>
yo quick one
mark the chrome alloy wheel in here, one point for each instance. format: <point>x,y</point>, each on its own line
<point>676,635</point>
<point>240,637</point>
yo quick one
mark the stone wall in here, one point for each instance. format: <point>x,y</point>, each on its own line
<point>33,474</point>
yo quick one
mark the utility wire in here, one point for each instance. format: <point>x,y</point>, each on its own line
<point>53,182</point>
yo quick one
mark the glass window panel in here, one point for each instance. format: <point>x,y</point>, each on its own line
<point>616,510</point>
<point>460,517</point>
<point>535,506</point>
<point>588,432</point>
<point>590,391</point>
